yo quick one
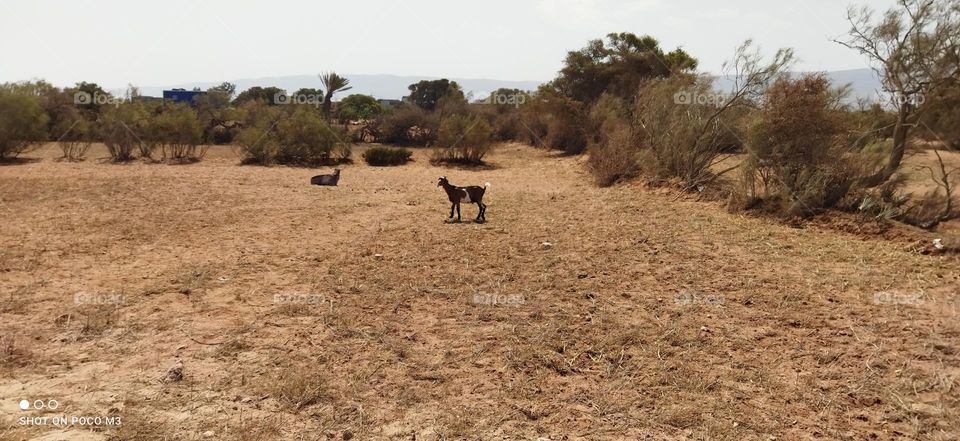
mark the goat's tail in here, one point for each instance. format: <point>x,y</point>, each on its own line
<point>486,185</point>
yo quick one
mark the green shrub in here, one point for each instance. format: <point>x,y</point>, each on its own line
<point>177,130</point>
<point>463,139</point>
<point>123,129</point>
<point>381,156</point>
<point>305,138</point>
<point>301,137</point>
<point>23,123</point>
<point>258,142</point>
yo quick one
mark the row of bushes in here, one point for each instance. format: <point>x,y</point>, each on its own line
<point>131,128</point>
<point>442,119</point>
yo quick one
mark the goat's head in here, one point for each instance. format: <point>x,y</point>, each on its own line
<point>442,181</point>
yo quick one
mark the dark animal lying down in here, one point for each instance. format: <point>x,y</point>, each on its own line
<point>326,179</point>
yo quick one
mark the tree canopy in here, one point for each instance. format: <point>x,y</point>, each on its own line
<point>426,94</point>
<point>618,66</point>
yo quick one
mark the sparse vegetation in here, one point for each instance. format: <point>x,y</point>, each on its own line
<point>298,387</point>
<point>611,295</point>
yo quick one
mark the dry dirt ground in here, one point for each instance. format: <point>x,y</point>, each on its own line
<point>296,312</point>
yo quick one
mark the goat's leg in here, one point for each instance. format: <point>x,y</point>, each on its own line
<point>479,212</point>
<point>483,211</point>
<point>458,211</point>
<point>451,210</point>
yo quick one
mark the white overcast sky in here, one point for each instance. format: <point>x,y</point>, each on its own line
<point>155,43</point>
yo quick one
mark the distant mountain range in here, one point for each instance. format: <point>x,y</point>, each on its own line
<point>864,82</point>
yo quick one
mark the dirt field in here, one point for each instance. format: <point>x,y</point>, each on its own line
<point>356,312</point>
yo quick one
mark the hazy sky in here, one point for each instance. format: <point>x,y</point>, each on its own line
<point>155,43</point>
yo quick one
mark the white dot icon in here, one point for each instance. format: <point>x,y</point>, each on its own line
<point>24,404</point>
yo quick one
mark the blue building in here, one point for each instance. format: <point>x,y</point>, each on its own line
<point>182,95</point>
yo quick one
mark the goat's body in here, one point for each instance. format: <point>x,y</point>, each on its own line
<point>472,195</point>
<point>326,179</point>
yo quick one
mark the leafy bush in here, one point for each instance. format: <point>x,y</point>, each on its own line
<point>23,123</point>
<point>428,94</point>
<point>122,129</point>
<point>305,138</point>
<point>301,137</point>
<point>463,139</point>
<point>75,132</point>
<point>178,132</point>
<point>358,107</point>
<point>258,142</point>
<point>381,156</point>
<point>682,140</point>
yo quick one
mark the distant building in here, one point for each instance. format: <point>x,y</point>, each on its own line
<point>390,104</point>
<point>182,95</point>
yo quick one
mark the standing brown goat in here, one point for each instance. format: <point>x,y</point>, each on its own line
<point>471,194</point>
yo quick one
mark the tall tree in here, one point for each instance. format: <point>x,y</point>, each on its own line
<point>617,66</point>
<point>915,49</point>
<point>333,83</point>
<point>358,107</point>
<point>427,94</point>
<point>225,88</point>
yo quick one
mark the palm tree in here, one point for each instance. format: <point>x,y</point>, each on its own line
<point>333,83</point>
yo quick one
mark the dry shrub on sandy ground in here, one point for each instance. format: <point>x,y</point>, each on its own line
<point>565,128</point>
<point>75,150</point>
<point>298,386</point>
<point>177,131</point>
<point>463,139</point>
<point>299,136</point>
<point>121,128</point>
<point>800,160</point>
<point>74,133</point>
<point>938,205</point>
<point>13,352</point>
<point>680,139</point>
<point>613,155</point>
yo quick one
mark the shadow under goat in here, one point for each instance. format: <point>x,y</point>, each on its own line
<point>326,179</point>
<point>471,195</point>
